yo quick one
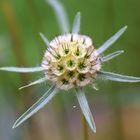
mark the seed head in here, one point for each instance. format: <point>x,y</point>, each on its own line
<point>71,60</point>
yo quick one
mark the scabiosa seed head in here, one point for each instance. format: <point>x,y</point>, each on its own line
<point>71,60</point>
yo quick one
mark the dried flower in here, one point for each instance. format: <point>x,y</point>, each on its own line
<point>71,61</point>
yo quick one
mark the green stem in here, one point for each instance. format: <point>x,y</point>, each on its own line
<point>85,128</point>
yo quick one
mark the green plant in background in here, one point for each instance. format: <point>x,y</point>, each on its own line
<point>71,61</point>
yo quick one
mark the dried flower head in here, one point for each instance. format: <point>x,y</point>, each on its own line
<point>71,61</point>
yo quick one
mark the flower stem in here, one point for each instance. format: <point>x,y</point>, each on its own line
<point>85,128</point>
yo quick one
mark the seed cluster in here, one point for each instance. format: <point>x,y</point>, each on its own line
<point>71,60</point>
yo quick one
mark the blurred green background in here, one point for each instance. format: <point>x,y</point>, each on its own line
<point>115,107</point>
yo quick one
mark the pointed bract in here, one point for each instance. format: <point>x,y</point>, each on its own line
<point>85,108</point>
<point>111,40</point>
<point>34,83</point>
<point>60,14</point>
<point>46,41</point>
<point>76,23</point>
<point>117,77</point>
<point>37,106</point>
<point>72,61</point>
<point>22,70</point>
<point>94,86</point>
<point>112,55</point>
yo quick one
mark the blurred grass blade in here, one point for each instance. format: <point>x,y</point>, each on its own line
<point>117,77</point>
<point>60,14</point>
<point>111,40</point>
<point>37,106</point>
<point>76,23</point>
<point>46,41</point>
<point>112,55</point>
<point>85,108</point>
<point>34,83</point>
<point>23,70</point>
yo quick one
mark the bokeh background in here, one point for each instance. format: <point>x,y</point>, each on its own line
<point>116,106</point>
